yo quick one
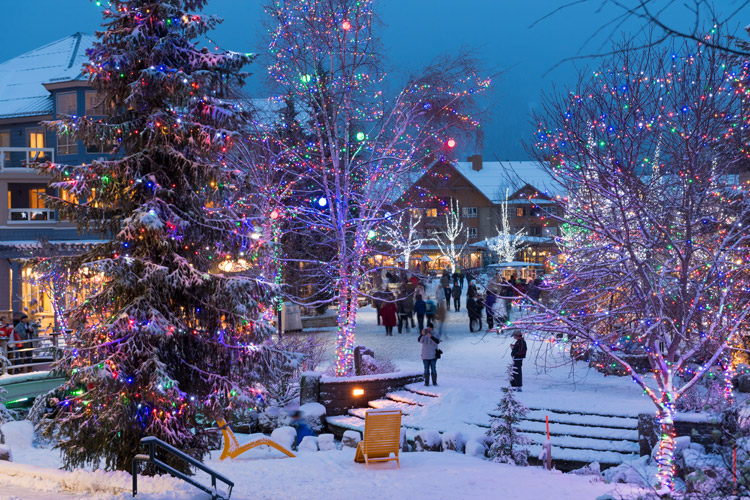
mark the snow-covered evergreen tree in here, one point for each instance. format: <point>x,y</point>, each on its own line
<point>507,444</point>
<point>169,343</point>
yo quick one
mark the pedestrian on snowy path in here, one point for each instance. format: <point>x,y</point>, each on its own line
<point>475,314</point>
<point>457,297</point>
<point>440,315</point>
<point>518,353</point>
<point>388,313</point>
<point>430,310</point>
<point>420,308</point>
<point>489,304</point>
<point>405,310</point>
<point>429,340</point>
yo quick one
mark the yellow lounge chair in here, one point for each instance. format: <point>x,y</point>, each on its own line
<point>382,437</point>
<point>233,449</point>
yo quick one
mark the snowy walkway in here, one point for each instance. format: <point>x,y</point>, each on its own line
<point>470,375</point>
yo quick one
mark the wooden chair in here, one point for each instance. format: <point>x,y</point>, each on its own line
<point>382,437</point>
<point>233,449</point>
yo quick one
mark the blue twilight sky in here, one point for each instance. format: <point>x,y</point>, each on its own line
<point>415,32</point>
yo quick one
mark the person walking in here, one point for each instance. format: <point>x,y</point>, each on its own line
<point>405,310</point>
<point>475,314</point>
<point>388,312</point>
<point>429,340</point>
<point>489,305</point>
<point>456,296</point>
<point>430,310</point>
<point>445,283</point>
<point>420,308</point>
<point>518,353</point>
<point>440,314</point>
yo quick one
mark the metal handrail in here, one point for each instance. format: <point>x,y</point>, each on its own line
<point>154,442</point>
<point>32,155</point>
<point>29,347</point>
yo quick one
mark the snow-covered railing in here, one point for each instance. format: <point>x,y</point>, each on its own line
<point>154,442</point>
<point>23,157</point>
<point>29,355</point>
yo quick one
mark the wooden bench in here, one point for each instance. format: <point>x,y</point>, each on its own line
<point>233,449</point>
<point>382,437</point>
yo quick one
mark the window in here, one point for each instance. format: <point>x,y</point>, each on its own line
<point>549,231</point>
<point>68,196</point>
<point>36,140</point>
<point>430,212</point>
<point>67,103</point>
<point>415,212</point>
<point>5,143</point>
<point>469,212</point>
<point>536,212</point>
<point>94,104</point>
<point>519,211</point>
<point>535,231</point>
<point>472,232</point>
<point>35,198</point>
<point>67,144</point>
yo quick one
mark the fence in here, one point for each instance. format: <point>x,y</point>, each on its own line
<point>36,354</point>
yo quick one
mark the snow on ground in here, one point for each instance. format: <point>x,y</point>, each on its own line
<point>470,375</point>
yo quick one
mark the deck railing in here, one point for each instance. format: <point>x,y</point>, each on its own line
<point>13,158</point>
<point>19,356</point>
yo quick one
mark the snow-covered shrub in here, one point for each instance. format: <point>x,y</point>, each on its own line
<point>309,443</point>
<point>314,415</point>
<point>507,444</point>
<point>350,439</point>
<point>640,471</point>
<point>455,441</point>
<point>369,365</point>
<point>428,440</point>
<point>272,418</point>
<point>283,387</point>
<point>6,454</point>
<point>326,442</point>
<point>592,469</point>
<point>706,395</point>
<point>475,448</point>
<point>285,436</point>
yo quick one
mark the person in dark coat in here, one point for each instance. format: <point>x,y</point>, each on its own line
<point>475,313</point>
<point>456,297</point>
<point>506,291</point>
<point>388,312</point>
<point>303,430</point>
<point>518,353</point>
<point>489,304</point>
<point>430,309</point>
<point>429,340</point>
<point>420,308</point>
<point>405,310</point>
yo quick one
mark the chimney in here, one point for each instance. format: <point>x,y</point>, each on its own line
<point>476,162</point>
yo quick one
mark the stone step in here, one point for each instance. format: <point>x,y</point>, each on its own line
<point>620,446</point>
<point>581,419</point>
<point>579,431</point>
<point>588,413</point>
<point>422,390</point>
<point>573,458</point>
<point>410,398</point>
<point>389,404</point>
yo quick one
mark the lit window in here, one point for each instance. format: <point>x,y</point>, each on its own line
<point>469,212</point>
<point>35,198</point>
<point>519,211</point>
<point>67,144</point>
<point>430,212</point>
<point>472,232</point>
<point>416,212</point>
<point>94,104</point>
<point>68,196</point>
<point>36,140</point>
<point>67,103</point>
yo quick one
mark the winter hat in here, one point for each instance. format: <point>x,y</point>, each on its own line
<point>23,316</point>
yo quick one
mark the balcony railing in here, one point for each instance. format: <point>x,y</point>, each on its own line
<point>32,215</point>
<point>12,158</point>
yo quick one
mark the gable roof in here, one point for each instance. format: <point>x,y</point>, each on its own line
<point>495,177</point>
<point>21,79</point>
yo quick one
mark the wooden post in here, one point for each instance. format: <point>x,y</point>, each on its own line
<point>548,448</point>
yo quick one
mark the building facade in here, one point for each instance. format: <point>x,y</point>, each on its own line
<point>41,85</point>
<point>480,189</point>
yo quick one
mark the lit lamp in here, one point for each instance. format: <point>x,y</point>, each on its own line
<point>358,392</point>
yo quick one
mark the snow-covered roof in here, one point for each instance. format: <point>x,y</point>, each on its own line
<point>495,177</point>
<point>21,79</point>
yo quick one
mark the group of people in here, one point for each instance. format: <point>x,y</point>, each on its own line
<point>17,333</point>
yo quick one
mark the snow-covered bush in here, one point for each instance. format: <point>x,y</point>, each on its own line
<point>285,436</point>
<point>507,444</point>
<point>283,386</point>
<point>309,443</point>
<point>350,439</point>
<point>326,442</point>
<point>455,441</point>
<point>428,440</point>
<point>314,415</point>
<point>475,448</point>
<point>369,365</point>
<point>272,418</point>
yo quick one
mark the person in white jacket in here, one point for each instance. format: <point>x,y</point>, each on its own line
<point>429,340</point>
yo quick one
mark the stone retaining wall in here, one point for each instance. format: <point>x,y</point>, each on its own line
<point>338,394</point>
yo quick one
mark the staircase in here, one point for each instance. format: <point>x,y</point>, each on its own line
<point>578,437</point>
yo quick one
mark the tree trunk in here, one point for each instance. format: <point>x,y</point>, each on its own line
<point>346,320</point>
<point>665,454</point>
